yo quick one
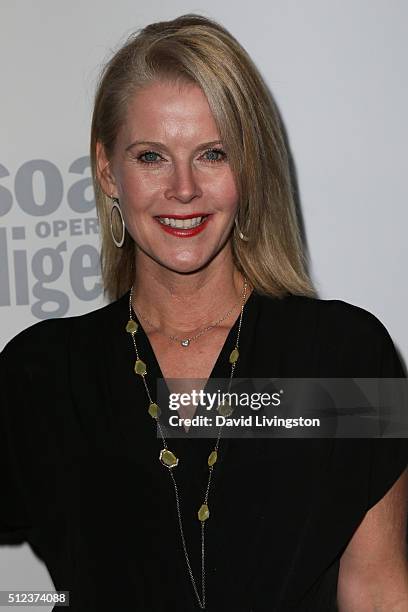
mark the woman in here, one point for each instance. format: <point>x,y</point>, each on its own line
<point>202,260</point>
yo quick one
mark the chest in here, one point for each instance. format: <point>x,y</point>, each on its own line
<point>185,368</point>
<point>197,361</point>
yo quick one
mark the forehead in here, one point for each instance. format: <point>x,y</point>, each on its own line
<point>169,110</point>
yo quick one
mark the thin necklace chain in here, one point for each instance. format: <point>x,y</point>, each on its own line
<point>140,369</point>
<point>185,341</point>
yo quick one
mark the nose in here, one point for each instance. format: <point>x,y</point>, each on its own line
<point>183,184</point>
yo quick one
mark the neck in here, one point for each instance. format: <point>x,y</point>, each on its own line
<point>176,302</point>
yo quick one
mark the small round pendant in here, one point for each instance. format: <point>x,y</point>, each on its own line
<point>185,342</point>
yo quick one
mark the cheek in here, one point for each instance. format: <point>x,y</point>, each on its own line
<point>226,193</point>
<point>138,192</point>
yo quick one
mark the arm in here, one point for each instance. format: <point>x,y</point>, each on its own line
<point>373,575</point>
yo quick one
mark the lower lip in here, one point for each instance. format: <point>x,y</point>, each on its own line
<point>184,233</point>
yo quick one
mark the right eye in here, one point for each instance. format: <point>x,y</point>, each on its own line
<point>148,157</point>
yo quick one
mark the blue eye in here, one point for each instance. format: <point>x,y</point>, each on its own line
<point>150,157</point>
<point>212,155</point>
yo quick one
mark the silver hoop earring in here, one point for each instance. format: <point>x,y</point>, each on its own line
<point>240,234</point>
<point>115,205</point>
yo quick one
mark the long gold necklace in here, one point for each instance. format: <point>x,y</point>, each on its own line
<point>169,459</point>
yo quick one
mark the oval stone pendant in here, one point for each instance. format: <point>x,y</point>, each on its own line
<point>225,409</point>
<point>203,513</point>
<point>185,342</point>
<point>212,458</point>
<point>154,411</point>
<point>234,356</point>
<point>168,458</point>
<point>140,367</point>
<point>131,327</point>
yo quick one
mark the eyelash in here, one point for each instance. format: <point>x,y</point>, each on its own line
<point>211,161</point>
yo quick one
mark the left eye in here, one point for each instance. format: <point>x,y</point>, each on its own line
<point>215,155</point>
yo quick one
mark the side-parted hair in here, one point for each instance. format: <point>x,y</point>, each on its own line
<point>195,49</point>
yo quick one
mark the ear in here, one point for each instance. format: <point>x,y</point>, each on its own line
<point>104,171</point>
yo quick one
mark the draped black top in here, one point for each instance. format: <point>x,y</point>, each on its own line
<point>82,484</point>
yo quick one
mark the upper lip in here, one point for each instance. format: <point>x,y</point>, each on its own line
<point>192,216</point>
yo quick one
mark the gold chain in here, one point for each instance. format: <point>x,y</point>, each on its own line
<point>186,341</point>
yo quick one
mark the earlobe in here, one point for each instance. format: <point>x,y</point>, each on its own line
<point>104,171</point>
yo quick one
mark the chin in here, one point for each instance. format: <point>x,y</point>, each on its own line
<point>185,267</point>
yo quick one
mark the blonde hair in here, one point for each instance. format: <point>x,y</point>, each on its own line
<point>195,49</point>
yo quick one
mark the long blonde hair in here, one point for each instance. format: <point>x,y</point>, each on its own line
<point>196,49</point>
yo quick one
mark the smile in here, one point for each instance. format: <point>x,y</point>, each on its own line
<point>181,223</point>
<point>183,226</point>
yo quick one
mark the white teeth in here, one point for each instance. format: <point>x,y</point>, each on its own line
<point>181,223</point>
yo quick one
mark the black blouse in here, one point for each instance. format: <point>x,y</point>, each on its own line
<point>82,484</point>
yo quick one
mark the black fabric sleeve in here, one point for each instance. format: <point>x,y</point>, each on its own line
<point>33,383</point>
<point>389,456</point>
<point>14,519</point>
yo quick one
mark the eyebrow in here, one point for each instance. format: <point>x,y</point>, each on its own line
<point>160,145</point>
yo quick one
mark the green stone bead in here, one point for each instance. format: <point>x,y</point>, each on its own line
<point>225,409</point>
<point>168,458</point>
<point>203,513</point>
<point>140,367</point>
<point>234,356</point>
<point>212,458</point>
<point>131,327</point>
<point>154,411</point>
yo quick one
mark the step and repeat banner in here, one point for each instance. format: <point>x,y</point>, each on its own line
<point>49,247</point>
<point>338,73</point>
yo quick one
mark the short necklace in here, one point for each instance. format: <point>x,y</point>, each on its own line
<point>169,459</point>
<point>186,341</point>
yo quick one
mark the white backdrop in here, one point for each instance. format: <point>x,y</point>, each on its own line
<point>338,71</point>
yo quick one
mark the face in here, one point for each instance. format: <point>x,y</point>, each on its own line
<point>172,177</point>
